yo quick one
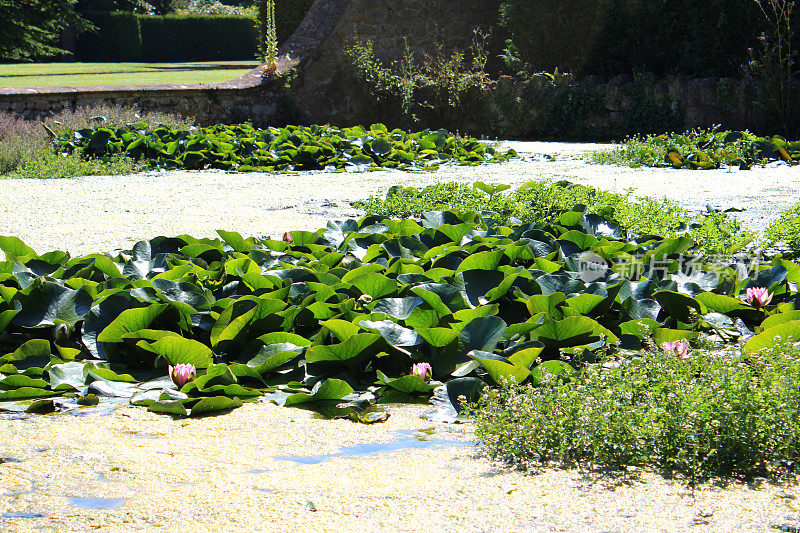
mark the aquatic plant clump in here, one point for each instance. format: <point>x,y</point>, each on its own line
<point>364,311</point>
<point>244,148</point>
<point>715,413</point>
<point>701,150</point>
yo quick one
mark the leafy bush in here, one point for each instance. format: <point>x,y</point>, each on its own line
<point>701,149</point>
<point>245,148</point>
<point>197,37</point>
<point>537,201</point>
<point>718,413</point>
<point>442,88</point>
<point>610,37</point>
<point>117,37</point>
<point>46,165</point>
<point>31,29</point>
<point>785,232</point>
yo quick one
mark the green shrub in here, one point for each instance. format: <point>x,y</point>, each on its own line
<point>617,36</point>
<point>717,413</point>
<point>700,150</point>
<point>118,38</point>
<point>288,16</point>
<point>543,202</point>
<point>197,37</point>
<point>785,232</point>
<point>47,165</point>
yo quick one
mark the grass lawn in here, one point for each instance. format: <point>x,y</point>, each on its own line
<point>54,74</point>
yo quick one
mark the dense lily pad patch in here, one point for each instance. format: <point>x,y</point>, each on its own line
<point>334,320</point>
<point>702,150</point>
<point>243,148</point>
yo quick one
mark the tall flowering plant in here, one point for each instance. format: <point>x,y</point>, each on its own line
<point>267,38</point>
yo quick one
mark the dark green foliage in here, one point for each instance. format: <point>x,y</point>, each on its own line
<point>702,149</point>
<point>536,201</point>
<point>718,413</point>
<point>244,148</point>
<point>566,105</point>
<point>31,29</point>
<point>609,37</point>
<point>785,231</point>
<point>197,37</point>
<point>288,16</point>
<point>318,318</point>
<point>117,37</point>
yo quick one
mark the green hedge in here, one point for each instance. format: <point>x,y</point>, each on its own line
<point>125,36</point>
<point>118,38</point>
<point>197,37</point>
<point>288,16</point>
<point>693,37</point>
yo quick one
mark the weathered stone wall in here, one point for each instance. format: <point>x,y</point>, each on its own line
<point>263,104</point>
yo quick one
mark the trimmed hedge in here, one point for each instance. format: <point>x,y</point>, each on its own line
<point>118,39</point>
<point>124,36</point>
<point>288,16</point>
<point>693,37</point>
<point>197,38</point>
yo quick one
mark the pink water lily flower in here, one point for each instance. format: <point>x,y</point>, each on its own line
<point>758,297</point>
<point>182,374</point>
<point>422,370</point>
<point>287,237</point>
<point>679,348</point>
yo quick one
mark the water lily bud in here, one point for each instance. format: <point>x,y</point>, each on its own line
<point>60,333</point>
<point>287,237</point>
<point>365,299</point>
<point>182,374</point>
<point>758,297</point>
<point>680,348</point>
<point>422,370</point>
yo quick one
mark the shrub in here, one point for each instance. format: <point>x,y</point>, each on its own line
<point>717,413</point>
<point>197,37</point>
<point>543,202</point>
<point>118,37</point>
<point>785,232</point>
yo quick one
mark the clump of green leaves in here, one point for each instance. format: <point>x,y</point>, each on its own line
<point>49,165</point>
<point>244,148</point>
<point>545,201</point>
<point>700,149</point>
<point>785,232</point>
<point>717,413</point>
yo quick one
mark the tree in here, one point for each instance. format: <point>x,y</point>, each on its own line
<point>31,29</point>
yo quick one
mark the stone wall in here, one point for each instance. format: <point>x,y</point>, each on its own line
<point>263,103</point>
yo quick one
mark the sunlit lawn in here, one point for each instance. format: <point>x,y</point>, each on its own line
<point>54,74</point>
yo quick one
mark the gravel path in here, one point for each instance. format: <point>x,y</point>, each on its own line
<point>102,213</point>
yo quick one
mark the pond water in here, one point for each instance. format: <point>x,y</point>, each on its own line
<point>407,440</point>
<point>100,504</point>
